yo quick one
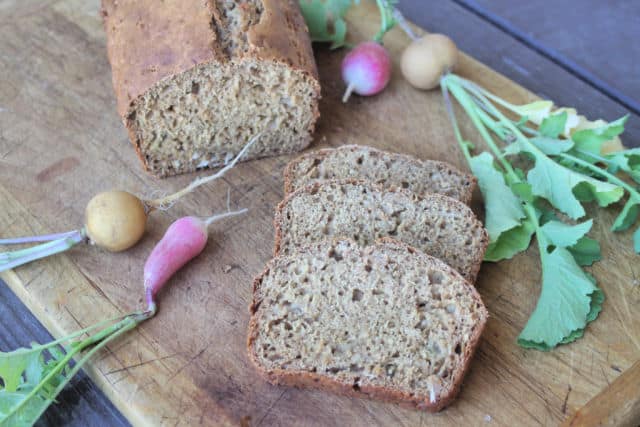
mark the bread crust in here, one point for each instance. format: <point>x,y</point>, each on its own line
<point>387,394</point>
<point>475,263</point>
<point>149,42</point>
<point>290,170</point>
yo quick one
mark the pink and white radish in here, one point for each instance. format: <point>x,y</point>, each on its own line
<point>366,69</point>
<point>183,241</point>
<point>114,220</point>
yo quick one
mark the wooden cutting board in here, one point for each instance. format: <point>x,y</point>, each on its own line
<point>61,142</point>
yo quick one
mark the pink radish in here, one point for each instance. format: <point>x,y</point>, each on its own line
<point>183,241</point>
<point>366,69</point>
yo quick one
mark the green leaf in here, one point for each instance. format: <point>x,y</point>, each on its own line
<point>552,146</point>
<point>553,125</point>
<point>568,301</point>
<point>564,235</point>
<point>523,191</point>
<point>628,215</point>
<point>325,20</point>
<point>627,161</point>
<point>14,364</point>
<point>564,188</point>
<point>503,209</point>
<point>636,241</point>
<point>586,251</point>
<point>511,242</point>
<point>591,140</point>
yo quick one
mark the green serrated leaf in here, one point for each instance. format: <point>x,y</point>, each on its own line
<point>628,215</point>
<point>586,251</point>
<point>511,242</point>
<point>553,125</point>
<point>626,160</point>
<point>568,301</point>
<point>564,235</point>
<point>503,209</point>
<point>325,20</point>
<point>591,140</point>
<point>14,364</point>
<point>552,146</point>
<point>522,190</point>
<point>564,188</point>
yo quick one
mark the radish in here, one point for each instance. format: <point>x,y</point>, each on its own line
<point>366,69</point>
<point>183,241</point>
<point>114,220</point>
<point>30,382</point>
<point>427,59</point>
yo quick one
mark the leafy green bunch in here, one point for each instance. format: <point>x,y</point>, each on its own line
<point>564,168</point>
<point>31,378</point>
<point>325,19</point>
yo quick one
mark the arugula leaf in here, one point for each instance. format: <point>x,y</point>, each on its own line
<point>568,301</point>
<point>503,209</point>
<point>591,140</point>
<point>325,20</point>
<point>564,235</point>
<point>553,125</point>
<point>586,251</point>
<point>564,188</point>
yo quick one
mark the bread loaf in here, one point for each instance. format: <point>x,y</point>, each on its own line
<point>381,167</point>
<point>195,80</point>
<point>438,225</point>
<point>385,322</point>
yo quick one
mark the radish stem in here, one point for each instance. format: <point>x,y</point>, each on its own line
<point>348,92</point>
<point>14,259</point>
<point>404,25</point>
<point>35,239</point>
<point>166,202</point>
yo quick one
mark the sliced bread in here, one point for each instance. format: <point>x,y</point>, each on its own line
<point>195,80</point>
<point>382,167</point>
<point>386,322</point>
<point>438,225</point>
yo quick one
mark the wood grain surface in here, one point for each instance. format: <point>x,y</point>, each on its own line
<point>61,142</point>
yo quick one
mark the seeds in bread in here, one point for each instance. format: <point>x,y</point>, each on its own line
<point>438,225</point>
<point>386,322</point>
<point>195,80</point>
<point>382,167</point>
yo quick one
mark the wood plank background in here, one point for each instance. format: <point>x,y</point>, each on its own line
<point>556,53</point>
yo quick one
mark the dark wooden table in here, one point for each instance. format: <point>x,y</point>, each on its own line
<point>579,53</point>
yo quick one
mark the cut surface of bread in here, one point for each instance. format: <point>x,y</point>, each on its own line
<point>438,225</point>
<point>381,167</point>
<point>386,322</point>
<point>195,80</point>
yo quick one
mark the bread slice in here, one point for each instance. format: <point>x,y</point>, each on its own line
<point>195,80</point>
<point>438,225</point>
<point>386,322</point>
<point>382,167</point>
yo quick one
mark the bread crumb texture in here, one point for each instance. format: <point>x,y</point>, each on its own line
<point>386,320</point>
<point>438,225</point>
<point>196,80</point>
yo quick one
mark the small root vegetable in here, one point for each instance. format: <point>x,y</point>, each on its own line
<point>366,69</point>
<point>114,220</point>
<point>182,242</point>
<point>427,59</point>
